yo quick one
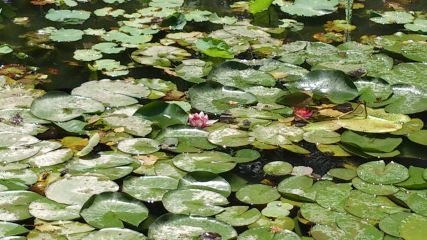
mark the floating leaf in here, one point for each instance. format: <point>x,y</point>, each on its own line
<point>239,215</point>
<point>149,188</point>
<point>257,194</point>
<point>49,210</point>
<point>66,35</point>
<point>278,168</point>
<point>139,146</point>
<point>112,209</point>
<point>115,233</point>
<point>308,8</point>
<point>61,107</point>
<point>87,55</point>
<point>214,162</point>
<point>229,137</point>
<point>14,205</point>
<point>379,173</point>
<point>67,16</point>
<point>163,114</point>
<point>214,47</point>
<point>266,233</point>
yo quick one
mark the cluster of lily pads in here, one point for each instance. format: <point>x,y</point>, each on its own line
<point>122,159</point>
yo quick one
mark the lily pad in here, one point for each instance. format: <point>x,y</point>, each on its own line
<point>257,194</point>
<point>391,224</point>
<point>49,210</point>
<point>163,114</point>
<point>419,137</point>
<point>374,189</point>
<point>14,205</point>
<point>239,215</point>
<point>277,209</point>
<point>9,229</point>
<point>322,137</point>
<point>78,189</point>
<point>112,209</point>
<point>134,125</point>
<point>66,35</point>
<point>205,181</point>
<point>308,8</point>
<point>87,55</point>
<point>214,162</point>
<point>67,16</point>
<point>112,93</point>
<point>194,202</point>
<point>334,85</point>
<point>229,137</point>
<point>370,144</point>
<point>412,227</point>
<point>278,168</point>
<point>171,226</point>
<point>149,188</point>
<point>115,233</point>
<point>379,173</point>
<point>277,134</point>
<point>61,107</point>
<point>214,47</point>
<point>139,146</point>
<point>215,98</point>
<point>393,17</point>
<point>158,55</point>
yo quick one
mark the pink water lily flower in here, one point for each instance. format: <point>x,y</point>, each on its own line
<point>200,120</point>
<point>303,112</point>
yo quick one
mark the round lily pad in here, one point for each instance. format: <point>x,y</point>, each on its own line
<point>297,187</point>
<point>215,98</point>
<point>334,196</point>
<point>112,93</point>
<point>134,125</point>
<point>417,203</point>
<point>239,215</point>
<point>229,137</point>
<point>419,137</point>
<point>205,181</point>
<point>175,226</point>
<point>277,168</point>
<point>318,214</point>
<point>149,188</point>
<point>194,202</point>
<point>49,210</point>
<point>8,230</point>
<point>277,209</point>
<point>322,137</point>
<point>342,173</point>
<point>375,189</point>
<point>111,209</point>
<point>214,162</point>
<point>51,158</point>
<point>257,194</point>
<point>14,205</point>
<point>78,189</point>
<point>87,55</point>
<point>139,146</point>
<point>246,155</point>
<point>380,173</point>
<point>61,107</point>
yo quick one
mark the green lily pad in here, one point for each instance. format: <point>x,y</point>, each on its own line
<point>61,107</point>
<point>374,189</point>
<point>419,137</point>
<point>239,215</point>
<point>297,187</point>
<point>334,85</point>
<point>308,8</point>
<point>149,188</point>
<point>256,6</point>
<point>108,47</point>
<point>112,93</point>
<point>370,144</point>
<point>193,70</point>
<point>318,214</point>
<point>378,172</point>
<point>238,75</point>
<point>87,55</point>
<point>194,202</point>
<point>115,233</point>
<point>355,229</point>
<point>78,189</point>
<point>334,196</point>
<point>322,137</point>
<point>139,146</point>
<point>163,114</point>
<point>413,228</point>
<point>49,210</point>
<point>246,155</point>
<point>229,137</point>
<point>277,209</point>
<point>214,162</point>
<point>214,47</point>
<point>67,16</point>
<point>112,209</point>
<point>158,55</point>
<point>51,158</point>
<point>5,49</point>
<point>278,168</point>
<point>134,125</point>
<point>257,194</point>
<point>205,181</point>
<point>14,205</point>
<point>391,224</point>
<point>415,180</point>
<point>266,233</point>
<point>8,229</point>
<point>418,25</point>
<point>172,226</point>
<point>25,176</point>
<point>342,173</point>
<point>369,206</point>
<point>417,203</point>
<point>414,125</point>
<point>214,98</point>
<point>393,17</point>
<point>277,134</point>
<point>10,139</point>
<point>66,35</point>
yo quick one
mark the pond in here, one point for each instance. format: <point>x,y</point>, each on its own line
<point>213,119</point>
